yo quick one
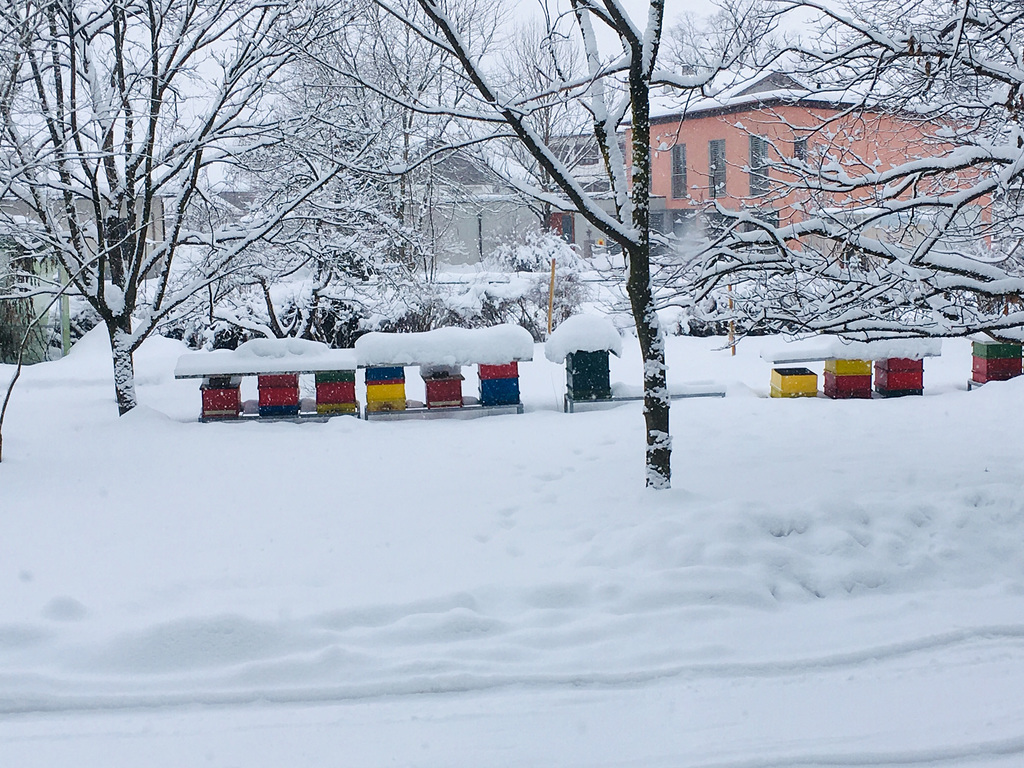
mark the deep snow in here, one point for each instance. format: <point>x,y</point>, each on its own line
<point>829,583</point>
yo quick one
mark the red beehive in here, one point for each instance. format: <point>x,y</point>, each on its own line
<point>336,392</point>
<point>444,393</point>
<point>507,371</point>
<point>995,369</point>
<point>221,398</point>
<point>842,387</point>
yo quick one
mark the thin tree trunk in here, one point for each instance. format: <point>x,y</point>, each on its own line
<point>652,348</point>
<point>641,296</point>
<point>119,329</point>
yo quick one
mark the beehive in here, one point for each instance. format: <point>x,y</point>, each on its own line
<point>499,384</point>
<point>444,391</point>
<point>221,397</point>
<point>336,392</point>
<point>587,376</point>
<point>385,388</point>
<point>794,382</point>
<point>995,361</point>
<point>847,379</point>
<point>278,394</point>
<point>899,377</point>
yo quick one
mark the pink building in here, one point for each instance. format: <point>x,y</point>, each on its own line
<point>728,151</point>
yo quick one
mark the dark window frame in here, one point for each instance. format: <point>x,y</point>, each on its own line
<point>759,179</point>
<point>679,172</point>
<point>716,168</point>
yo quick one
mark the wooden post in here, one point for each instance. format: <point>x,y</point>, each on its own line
<point>732,327</point>
<point>551,296</point>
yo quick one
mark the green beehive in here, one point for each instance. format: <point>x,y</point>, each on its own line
<point>587,376</point>
<point>994,350</point>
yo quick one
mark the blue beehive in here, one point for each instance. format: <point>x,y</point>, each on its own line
<point>499,391</point>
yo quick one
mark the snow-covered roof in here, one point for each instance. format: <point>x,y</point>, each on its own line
<point>265,356</point>
<point>497,345</point>
<point>582,333</point>
<point>834,348</point>
<point>734,90</point>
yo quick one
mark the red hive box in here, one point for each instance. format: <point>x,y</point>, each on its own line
<point>279,380</point>
<point>444,393</point>
<point>841,387</point>
<point>899,376</point>
<point>336,392</point>
<point>507,371</point>
<point>279,396</point>
<point>900,364</point>
<point>898,380</point>
<point>221,399</point>
<point>995,369</point>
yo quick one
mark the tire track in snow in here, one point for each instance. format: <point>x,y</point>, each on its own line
<point>960,754</point>
<point>27,702</point>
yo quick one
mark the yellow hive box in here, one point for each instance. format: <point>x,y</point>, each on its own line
<point>379,393</point>
<point>794,382</point>
<point>848,367</point>
<point>337,408</point>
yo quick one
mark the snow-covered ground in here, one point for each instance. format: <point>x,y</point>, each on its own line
<point>828,584</point>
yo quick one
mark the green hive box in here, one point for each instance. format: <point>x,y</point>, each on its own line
<point>994,350</point>
<point>335,377</point>
<point>587,376</point>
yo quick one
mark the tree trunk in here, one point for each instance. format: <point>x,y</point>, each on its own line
<point>120,329</point>
<point>641,296</point>
<point>652,349</point>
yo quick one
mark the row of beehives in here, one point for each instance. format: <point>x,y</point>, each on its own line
<point>587,378</point>
<point>336,391</point>
<point>894,377</point>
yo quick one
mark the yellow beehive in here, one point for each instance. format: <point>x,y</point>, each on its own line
<point>794,382</point>
<point>337,408</point>
<point>848,367</point>
<point>385,397</point>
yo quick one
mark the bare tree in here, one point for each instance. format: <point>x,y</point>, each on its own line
<point>923,239</point>
<point>111,117</point>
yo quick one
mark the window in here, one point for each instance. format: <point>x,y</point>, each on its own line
<point>716,167</point>
<point>800,149</point>
<point>758,166</point>
<point>679,171</point>
<point>657,222</point>
<point>568,228</point>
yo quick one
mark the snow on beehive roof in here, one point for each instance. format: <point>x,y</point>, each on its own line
<point>266,356</point>
<point>583,333</point>
<point>833,347</point>
<point>497,345</point>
